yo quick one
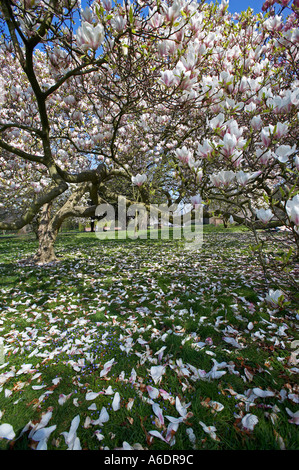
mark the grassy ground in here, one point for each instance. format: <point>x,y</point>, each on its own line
<point>187,335</point>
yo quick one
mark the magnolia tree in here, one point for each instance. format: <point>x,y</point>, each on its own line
<point>239,141</point>
<point>72,98</point>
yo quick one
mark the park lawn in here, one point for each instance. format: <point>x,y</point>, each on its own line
<point>143,344</point>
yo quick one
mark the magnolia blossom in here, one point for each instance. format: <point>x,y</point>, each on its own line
<point>274,297</point>
<point>264,156</point>
<point>256,122</point>
<point>265,215</point>
<point>171,13</point>
<point>167,77</point>
<point>89,36</point>
<point>205,149</point>
<point>196,200</point>
<point>87,14</point>
<point>196,168</point>
<point>216,122</point>
<point>183,154</point>
<point>138,180</point>
<point>292,207</point>
<point>2,91</point>
<point>107,4</point>
<point>274,23</point>
<point>281,129</point>
<point>233,139</point>
<point>223,178</point>
<point>156,19</point>
<point>119,23</point>
<point>284,151</point>
<point>199,174</point>
<point>266,136</point>
<point>243,178</point>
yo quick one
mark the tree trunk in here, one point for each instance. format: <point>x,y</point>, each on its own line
<point>46,238</point>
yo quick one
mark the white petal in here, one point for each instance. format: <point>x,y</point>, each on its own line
<point>249,421</point>
<point>126,446</point>
<point>6,431</point>
<point>104,416</point>
<point>158,412</point>
<point>92,407</point>
<point>91,395</point>
<point>191,435</point>
<point>99,435</point>
<point>76,445</point>
<point>263,393</point>
<point>107,367</point>
<point>157,434</point>
<point>43,433</point>
<point>157,372</point>
<point>109,391</point>
<point>116,402</point>
<point>153,392</point>
<point>175,420</point>
<point>42,445</point>
<point>182,409</point>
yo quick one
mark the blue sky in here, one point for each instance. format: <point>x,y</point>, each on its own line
<point>234,5</point>
<point>242,5</point>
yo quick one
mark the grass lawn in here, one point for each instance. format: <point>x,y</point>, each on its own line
<point>142,344</point>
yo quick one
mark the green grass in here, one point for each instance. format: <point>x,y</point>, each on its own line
<point>127,300</point>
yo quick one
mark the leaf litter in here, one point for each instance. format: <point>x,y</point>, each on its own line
<point>188,344</point>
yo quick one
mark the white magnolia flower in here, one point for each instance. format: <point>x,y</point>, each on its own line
<point>87,14</point>
<point>274,23</point>
<point>274,297</point>
<point>138,180</point>
<point>243,178</point>
<point>265,215</point>
<point>196,200</point>
<point>89,36</point>
<point>183,154</point>
<point>292,207</point>
<point>284,151</point>
<point>217,121</point>
<point>205,149</point>
<point>167,77</point>
<point>119,23</point>
<point>223,178</point>
<point>256,123</point>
